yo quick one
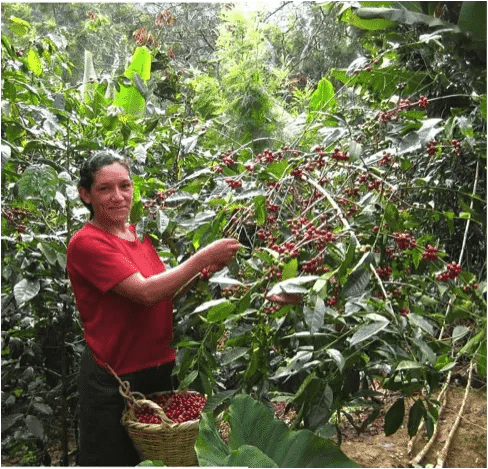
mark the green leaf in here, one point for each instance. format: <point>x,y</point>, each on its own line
<point>374,24</point>
<point>249,456</point>
<point>314,318</point>
<point>218,310</point>
<point>253,424</point>
<point>405,365</point>
<point>337,357</point>
<point>394,417</point>
<point>233,354</point>
<point>260,209</point>
<point>18,26</point>
<point>209,447</point>
<point>367,331</point>
<point>356,283</point>
<point>290,269</point>
<point>293,285</point>
<point>35,426</point>
<point>186,382</point>
<point>323,96</point>
<point>25,290</point>
<point>34,63</point>
<point>392,216</point>
<point>162,222</point>
<point>415,414</point>
<point>419,321</point>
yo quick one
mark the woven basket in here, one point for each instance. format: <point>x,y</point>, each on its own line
<point>168,441</point>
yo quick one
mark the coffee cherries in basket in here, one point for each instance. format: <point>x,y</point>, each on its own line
<point>178,406</point>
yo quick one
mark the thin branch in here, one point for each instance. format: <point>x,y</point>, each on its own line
<point>465,238</point>
<point>441,456</point>
<point>443,399</point>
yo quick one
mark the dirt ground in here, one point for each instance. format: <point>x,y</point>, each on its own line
<point>467,449</point>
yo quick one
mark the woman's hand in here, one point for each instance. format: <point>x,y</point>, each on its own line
<point>217,255</point>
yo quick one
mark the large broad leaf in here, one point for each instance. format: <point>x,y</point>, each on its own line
<point>394,417</point>
<point>323,96</point>
<point>367,331</point>
<point>18,26</point>
<point>25,290</point>
<point>218,310</point>
<point>356,283</point>
<point>415,140</point>
<point>139,71</point>
<point>253,425</point>
<point>293,285</point>
<point>33,62</point>
<point>472,20</point>
<point>34,425</point>
<point>397,15</point>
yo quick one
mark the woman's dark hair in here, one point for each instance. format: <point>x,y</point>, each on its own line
<point>93,164</point>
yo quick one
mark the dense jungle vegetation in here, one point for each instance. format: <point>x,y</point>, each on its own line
<point>344,144</point>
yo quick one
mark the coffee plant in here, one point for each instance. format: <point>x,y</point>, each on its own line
<point>365,214</point>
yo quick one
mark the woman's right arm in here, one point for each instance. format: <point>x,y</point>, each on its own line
<point>148,291</point>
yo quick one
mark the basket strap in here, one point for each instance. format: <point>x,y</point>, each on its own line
<point>124,388</point>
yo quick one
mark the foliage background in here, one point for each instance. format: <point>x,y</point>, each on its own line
<point>337,143</point>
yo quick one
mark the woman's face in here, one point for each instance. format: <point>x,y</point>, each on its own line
<point>110,194</point>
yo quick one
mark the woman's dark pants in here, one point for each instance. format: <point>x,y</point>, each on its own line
<point>103,439</point>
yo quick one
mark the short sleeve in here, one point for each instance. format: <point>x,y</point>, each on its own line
<point>99,262</point>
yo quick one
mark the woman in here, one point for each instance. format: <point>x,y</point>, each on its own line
<point>124,297</point>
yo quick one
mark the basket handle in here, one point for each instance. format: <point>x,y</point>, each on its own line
<point>130,396</point>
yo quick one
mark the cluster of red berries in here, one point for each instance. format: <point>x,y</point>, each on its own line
<point>250,167</point>
<point>387,159</point>
<point>235,291</point>
<point>288,248</point>
<point>159,199</point>
<point>339,155</point>
<point>432,147</point>
<point>352,191</point>
<point>457,146</point>
<point>274,273</point>
<point>431,253</point>
<point>14,215</point>
<point>386,116</point>
<point>272,309</point>
<point>273,207</point>
<point>146,414</point>
<point>165,18</point>
<point>423,102</point>
<point>205,274</point>
<point>315,266</point>
<point>181,406</point>
<point>297,173</point>
<point>226,158</point>
<point>269,157</point>
<point>384,272</point>
<point>233,183</point>
<point>266,236</point>
<point>452,271</point>
<point>332,301</point>
<point>467,288</point>
<point>145,38</point>
<point>404,312</point>
<point>405,241</point>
